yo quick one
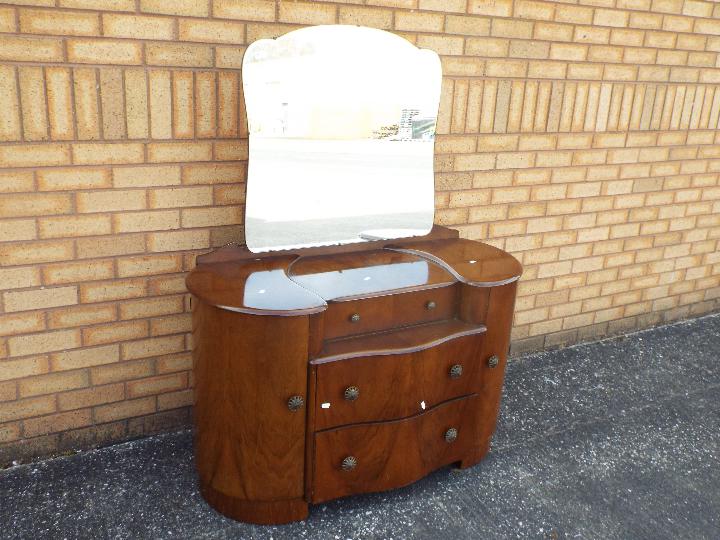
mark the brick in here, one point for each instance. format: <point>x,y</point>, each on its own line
<point>42,343</point>
<point>111,200</point>
<point>18,278</point>
<point>111,101</point>
<point>252,10</point>
<point>88,397</point>
<point>151,307</point>
<point>52,383</point>
<point>146,221</point>
<point>86,103</point>
<point>105,5</point>
<point>70,272</point>
<point>31,49</point>
<point>179,152</point>
<point>40,298</point>
<point>81,316</point>
<point>499,8</point>
<point>36,252</point>
<point>83,358</point>
<point>7,20</point>
<point>16,181</point>
<point>18,229</point>
<point>112,290</point>
<point>173,324</point>
<point>10,125</point>
<point>211,31</point>
<point>307,13</point>
<point>112,333</point>
<point>157,385</point>
<point>34,205</point>
<point>178,240</point>
<point>138,26</point>
<point>146,176</point>
<point>112,153</point>
<point>73,179</point>
<point>125,409</point>
<point>26,408</point>
<point>441,44</point>
<point>54,22</point>
<point>35,427</point>
<point>173,400</point>
<point>97,51</point>
<point>101,247</point>
<point>67,226</point>
<point>178,54</point>
<point>366,16</point>
<point>419,21</point>
<point>21,323</point>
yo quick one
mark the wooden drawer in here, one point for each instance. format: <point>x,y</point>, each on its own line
<point>388,455</point>
<point>352,317</point>
<point>392,386</point>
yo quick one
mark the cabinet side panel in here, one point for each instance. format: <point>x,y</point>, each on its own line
<point>249,445</point>
<point>500,308</point>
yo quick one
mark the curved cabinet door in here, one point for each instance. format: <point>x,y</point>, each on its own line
<point>385,455</point>
<point>249,444</point>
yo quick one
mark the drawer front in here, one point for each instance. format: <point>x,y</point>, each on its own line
<point>388,387</point>
<point>387,455</point>
<point>352,317</point>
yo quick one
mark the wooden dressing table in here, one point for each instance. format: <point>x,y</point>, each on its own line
<point>326,372</point>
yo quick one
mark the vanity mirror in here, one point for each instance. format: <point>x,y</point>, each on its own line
<point>342,125</point>
<point>351,346</point>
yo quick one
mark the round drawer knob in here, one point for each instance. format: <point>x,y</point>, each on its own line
<point>493,361</point>
<point>455,371</point>
<point>450,435</point>
<point>355,317</point>
<point>349,463</point>
<point>295,403</point>
<point>431,305</point>
<point>352,393</point>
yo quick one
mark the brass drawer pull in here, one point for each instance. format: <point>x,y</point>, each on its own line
<point>355,317</point>
<point>456,371</point>
<point>450,435</point>
<point>493,361</point>
<point>349,463</point>
<point>295,403</point>
<point>352,393</point>
<point>430,305</point>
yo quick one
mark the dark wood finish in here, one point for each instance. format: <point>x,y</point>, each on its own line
<point>267,327</point>
<point>249,446</point>
<point>471,262</point>
<point>397,385</point>
<point>392,454</point>
<point>397,341</point>
<point>389,311</point>
<point>258,286</point>
<point>259,512</point>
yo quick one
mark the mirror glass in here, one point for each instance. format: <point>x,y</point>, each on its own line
<point>342,127</point>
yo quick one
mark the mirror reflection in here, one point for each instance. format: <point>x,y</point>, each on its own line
<point>342,126</point>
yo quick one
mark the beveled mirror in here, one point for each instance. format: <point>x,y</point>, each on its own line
<point>342,127</point>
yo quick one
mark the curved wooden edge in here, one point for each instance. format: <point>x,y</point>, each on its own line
<point>227,286</point>
<point>364,345</point>
<point>455,273</point>
<point>258,512</point>
<point>392,292</point>
<point>424,250</point>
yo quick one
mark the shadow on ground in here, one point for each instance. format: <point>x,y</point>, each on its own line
<point>615,439</point>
